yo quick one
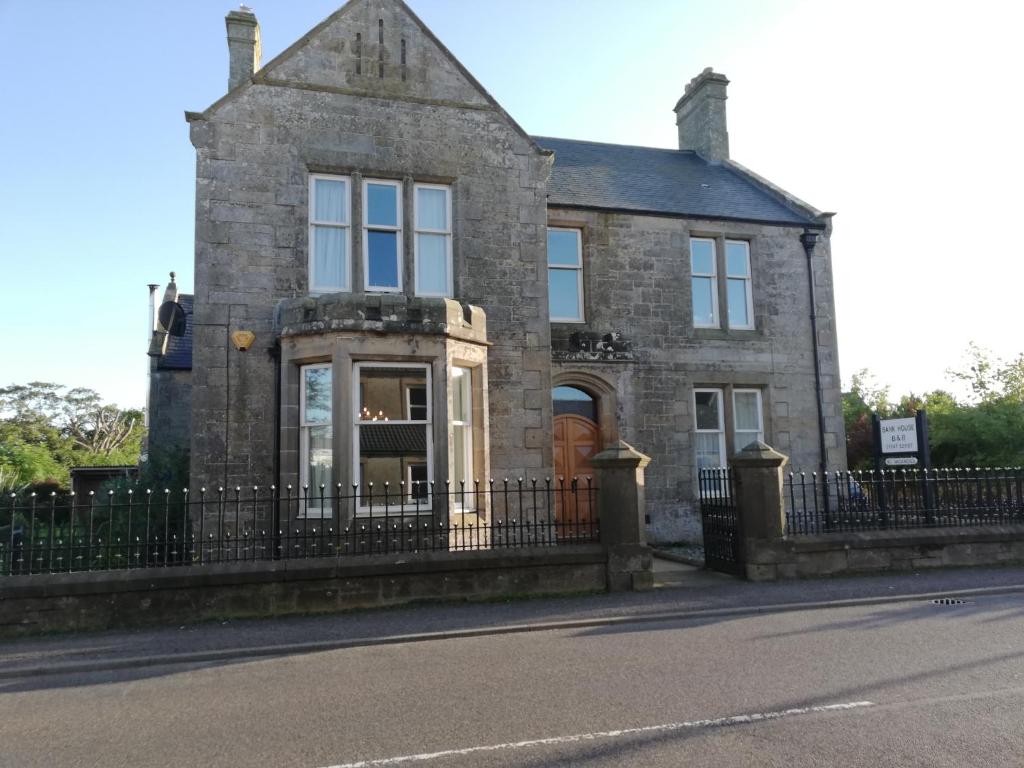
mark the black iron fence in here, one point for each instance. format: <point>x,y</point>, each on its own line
<point>145,529</point>
<point>893,499</point>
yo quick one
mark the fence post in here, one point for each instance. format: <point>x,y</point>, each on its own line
<point>622,516</point>
<point>760,506</point>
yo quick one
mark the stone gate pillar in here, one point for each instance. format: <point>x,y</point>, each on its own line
<point>760,510</point>
<point>620,505</point>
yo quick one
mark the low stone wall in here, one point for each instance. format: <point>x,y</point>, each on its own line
<point>117,599</point>
<point>874,551</point>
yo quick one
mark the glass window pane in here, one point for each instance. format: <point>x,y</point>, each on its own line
<point>708,409</point>
<point>563,247</point>
<point>381,205</point>
<point>330,260</point>
<point>431,208</point>
<point>704,301</point>
<point>737,260</point>
<point>709,450</point>
<point>738,311</point>
<point>702,257</point>
<point>317,383</point>
<point>747,412</point>
<point>319,461</point>
<point>383,392</point>
<point>460,471</point>
<point>564,296</point>
<point>386,452</point>
<point>329,200</point>
<point>570,400</point>
<point>418,488</point>
<point>432,264</point>
<point>743,439</point>
<point>417,396</point>
<point>382,257</point>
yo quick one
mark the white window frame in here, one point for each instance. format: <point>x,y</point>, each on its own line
<point>466,382</point>
<point>308,510</point>
<point>313,224</point>
<point>721,422</point>
<point>418,230</point>
<point>408,400</point>
<point>579,274</point>
<point>748,286</point>
<point>736,431</point>
<point>357,369</point>
<point>367,228</point>
<point>717,320</point>
<point>410,499</point>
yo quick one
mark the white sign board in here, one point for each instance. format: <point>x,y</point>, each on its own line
<point>901,461</point>
<point>899,435</point>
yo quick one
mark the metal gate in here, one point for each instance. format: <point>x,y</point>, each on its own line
<point>723,544</point>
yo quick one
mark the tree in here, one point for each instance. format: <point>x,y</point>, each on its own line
<point>46,428</point>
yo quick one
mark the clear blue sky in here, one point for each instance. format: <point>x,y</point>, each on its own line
<point>848,113</point>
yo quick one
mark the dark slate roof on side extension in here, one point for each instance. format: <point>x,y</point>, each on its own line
<point>588,174</point>
<point>178,356</point>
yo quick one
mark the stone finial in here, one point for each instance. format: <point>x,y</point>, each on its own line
<point>244,49</point>
<point>700,116</point>
<point>759,454</point>
<point>620,454</point>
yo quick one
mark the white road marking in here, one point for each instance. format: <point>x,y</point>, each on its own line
<point>719,722</point>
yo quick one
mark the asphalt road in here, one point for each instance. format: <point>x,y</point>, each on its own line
<point>919,685</point>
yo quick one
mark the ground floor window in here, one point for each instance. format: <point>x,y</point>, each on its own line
<point>717,407</point>
<point>316,439</point>
<point>710,418</point>
<point>462,435</point>
<point>392,442</point>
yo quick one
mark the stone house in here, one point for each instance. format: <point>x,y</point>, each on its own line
<point>429,293</point>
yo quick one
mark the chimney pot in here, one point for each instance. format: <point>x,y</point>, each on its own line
<point>244,50</point>
<point>700,116</point>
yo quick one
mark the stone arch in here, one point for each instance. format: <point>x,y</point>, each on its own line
<point>605,396</point>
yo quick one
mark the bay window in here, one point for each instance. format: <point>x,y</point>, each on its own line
<point>330,236</point>
<point>316,438</point>
<point>462,434</point>
<point>382,235</point>
<point>432,244</point>
<point>392,440</point>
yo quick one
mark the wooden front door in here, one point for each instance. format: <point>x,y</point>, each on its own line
<point>576,439</point>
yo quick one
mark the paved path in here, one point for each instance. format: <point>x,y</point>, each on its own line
<point>906,683</point>
<point>687,590</point>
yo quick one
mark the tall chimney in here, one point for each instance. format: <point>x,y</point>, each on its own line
<point>700,116</point>
<point>244,50</point>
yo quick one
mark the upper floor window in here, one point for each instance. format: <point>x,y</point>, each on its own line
<point>738,293</point>
<point>316,439</point>
<point>329,233</point>
<point>433,239</point>
<point>382,235</point>
<point>565,275</point>
<point>735,288</point>
<point>704,282</point>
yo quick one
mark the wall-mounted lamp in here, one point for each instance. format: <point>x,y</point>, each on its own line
<point>242,340</point>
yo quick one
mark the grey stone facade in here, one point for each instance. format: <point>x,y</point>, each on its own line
<point>341,102</point>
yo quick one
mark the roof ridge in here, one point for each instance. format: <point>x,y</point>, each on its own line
<point>613,144</point>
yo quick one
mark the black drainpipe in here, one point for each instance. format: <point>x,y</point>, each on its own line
<point>809,239</point>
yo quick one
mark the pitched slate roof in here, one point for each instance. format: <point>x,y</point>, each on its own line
<point>178,356</point>
<point>588,174</point>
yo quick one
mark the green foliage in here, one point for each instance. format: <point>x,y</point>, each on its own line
<point>985,429</point>
<point>46,428</point>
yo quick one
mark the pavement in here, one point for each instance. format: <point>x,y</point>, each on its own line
<point>899,682</point>
<point>683,592</point>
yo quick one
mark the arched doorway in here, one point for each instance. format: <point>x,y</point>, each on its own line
<point>577,437</point>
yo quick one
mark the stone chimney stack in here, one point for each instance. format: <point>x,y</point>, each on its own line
<point>700,116</point>
<point>244,50</point>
